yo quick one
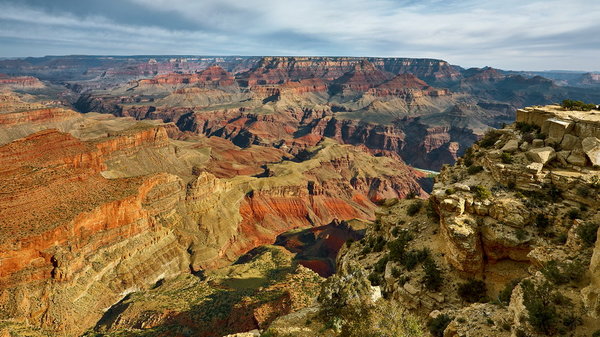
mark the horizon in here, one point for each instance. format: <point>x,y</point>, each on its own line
<point>593,71</point>
<point>510,35</point>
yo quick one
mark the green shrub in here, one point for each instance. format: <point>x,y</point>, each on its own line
<point>472,291</point>
<point>397,247</point>
<point>474,169</point>
<point>366,250</point>
<point>414,257</point>
<point>490,138</point>
<point>577,105</point>
<point>596,333</point>
<point>468,157</point>
<point>554,192</point>
<point>379,244</point>
<point>437,325</point>
<point>539,303</point>
<point>521,234</point>
<point>375,279</point>
<point>449,191</point>
<point>481,192</point>
<point>396,272</point>
<point>433,275</point>
<point>553,273</point>
<point>526,127</point>
<point>414,208</point>
<point>379,266</point>
<point>506,158</point>
<point>506,292</point>
<point>573,214</point>
<point>588,233</point>
<point>541,222</point>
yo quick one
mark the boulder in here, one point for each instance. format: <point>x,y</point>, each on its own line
<point>591,147</point>
<point>511,146</point>
<point>462,187</point>
<point>556,128</point>
<point>569,142</point>
<point>525,146</point>
<point>541,155</point>
<point>536,143</point>
<point>535,168</point>
<point>562,156</point>
<point>577,158</point>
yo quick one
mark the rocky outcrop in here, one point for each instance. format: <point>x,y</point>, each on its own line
<point>20,82</point>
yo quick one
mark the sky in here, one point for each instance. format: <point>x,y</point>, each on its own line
<point>506,34</point>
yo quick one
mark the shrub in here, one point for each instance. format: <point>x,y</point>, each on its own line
<point>538,301</point>
<point>396,272</point>
<point>506,158</point>
<point>375,279</point>
<point>596,333</point>
<point>379,266</point>
<point>397,247</point>
<point>552,272</point>
<point>385,318</point>
<point>526,127</point>
<point>573,214</point>
<point>521,234</point>
<point>379,244</point>
<point>506,293</point>
<point>490,138</point>
<point>433,275</point>
<point>481,192</point>
<point>437,325</point>
<point>449,191</point>
<point>366,250</point>
<point>413,257</point>
<point>414,208</point>
<point>468,157</point>
<point>340,292</point>
<point>577,105</point>
<point>554,192</point>
<point>474,169</point>
<point>472,291</point>
<point>541,222</point>
<point>588,233</point>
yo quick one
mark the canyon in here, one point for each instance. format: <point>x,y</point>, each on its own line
<point>217,195</point>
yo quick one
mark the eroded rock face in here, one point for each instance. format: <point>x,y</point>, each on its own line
<point>591,294</point>
<point>109,206</point>
<point>591,147</point>
<point>62,266</point>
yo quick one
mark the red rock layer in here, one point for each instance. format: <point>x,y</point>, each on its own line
<point>279,70</point>
<point>212,76</point>
<point>38,116</point>
<point>363,77</point>
<point>57,213</point>
<point>303,86</point>
<point>20,81</point>
<point>407,85</point>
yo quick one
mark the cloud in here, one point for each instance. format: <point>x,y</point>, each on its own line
<point>511,34</point>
